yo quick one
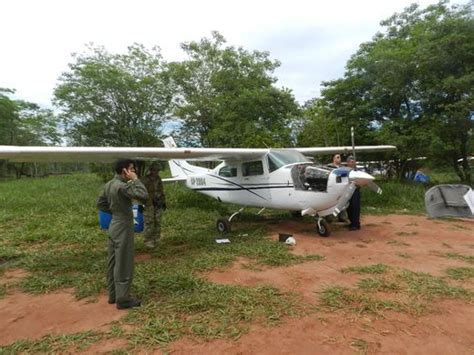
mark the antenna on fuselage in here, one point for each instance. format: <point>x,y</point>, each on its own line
<point>353,143</point>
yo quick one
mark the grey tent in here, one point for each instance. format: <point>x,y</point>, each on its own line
<point>447,201</point>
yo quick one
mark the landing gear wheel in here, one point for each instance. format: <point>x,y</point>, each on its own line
<point>223,225</point>
<point>322,227</point>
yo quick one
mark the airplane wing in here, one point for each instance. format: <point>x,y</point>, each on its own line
<point>345,149</point>
<point>110,154</point>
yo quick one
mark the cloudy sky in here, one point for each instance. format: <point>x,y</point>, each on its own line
<point>312,39</point>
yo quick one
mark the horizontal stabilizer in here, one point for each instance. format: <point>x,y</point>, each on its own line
<point>174,179</point>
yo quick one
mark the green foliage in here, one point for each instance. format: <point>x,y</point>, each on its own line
<point>115,99</point>
<point>227,98</point>
<point>25,123</point>
<point>411,86</point>
<point>396,198</point>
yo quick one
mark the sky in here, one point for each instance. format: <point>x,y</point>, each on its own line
<point>312,39</point>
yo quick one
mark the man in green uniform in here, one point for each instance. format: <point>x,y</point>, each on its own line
<point>155,205</point>
<point>117,199</point>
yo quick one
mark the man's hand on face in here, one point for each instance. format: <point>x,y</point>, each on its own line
<point>130,174</point>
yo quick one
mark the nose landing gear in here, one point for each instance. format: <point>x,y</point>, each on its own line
<point>322,227</point>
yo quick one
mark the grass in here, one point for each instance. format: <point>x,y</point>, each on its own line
<point>405,291</point>
<point>69,250</point>
<point>460,273</point>
<point>467,258</point>
<point>54,344</point>
<point>369,269</point>
<point>398,243</point>
<point>406,234</point>
<point>396,198</point>
<point>49,228</point>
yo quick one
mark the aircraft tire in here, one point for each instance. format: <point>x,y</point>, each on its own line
<point>223,225</point>
<point>324,230</point>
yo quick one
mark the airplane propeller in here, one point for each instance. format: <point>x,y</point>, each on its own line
<point>344,200</point>
<point>374,187</point>
<point>356,178</point>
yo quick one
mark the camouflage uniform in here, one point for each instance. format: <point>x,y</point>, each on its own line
<point>154,207</point>
<point>117,200</point>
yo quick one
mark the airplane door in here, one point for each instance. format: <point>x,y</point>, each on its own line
<point>255,184</point>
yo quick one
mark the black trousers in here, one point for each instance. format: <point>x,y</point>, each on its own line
<point>353,211</point>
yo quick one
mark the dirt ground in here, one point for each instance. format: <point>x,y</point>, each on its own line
<point>410,242</point>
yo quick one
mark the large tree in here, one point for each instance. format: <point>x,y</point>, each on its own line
<point>115,99</point>
<point>25,123</point>
<point>412,86</point>
<point>226,96</point>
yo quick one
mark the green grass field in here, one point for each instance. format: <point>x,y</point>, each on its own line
<point>49,227</point>
<point>69,250</point>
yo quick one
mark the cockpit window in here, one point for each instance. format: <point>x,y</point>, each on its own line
<point>252,168</point>
<point>279,158</point>
<point>228,171</point>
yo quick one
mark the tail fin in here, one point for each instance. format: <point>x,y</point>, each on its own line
<point>179,168</point>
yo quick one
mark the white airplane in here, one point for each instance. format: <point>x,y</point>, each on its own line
<point>251,177</point>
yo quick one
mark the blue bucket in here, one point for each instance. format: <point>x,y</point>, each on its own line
<point>104,220</point>
<point>138,219</point>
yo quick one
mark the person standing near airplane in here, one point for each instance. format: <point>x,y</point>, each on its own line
<point>353,211</point>
<point>116,199</point>
<point>155,205</point>
<point>336,161</point>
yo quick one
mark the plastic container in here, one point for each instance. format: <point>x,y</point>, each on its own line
<point>282,237</point>
<point>138,219</point>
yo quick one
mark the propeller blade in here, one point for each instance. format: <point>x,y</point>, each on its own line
<point>361,178</point>
<point>374,187</point>
<point>342,203</point>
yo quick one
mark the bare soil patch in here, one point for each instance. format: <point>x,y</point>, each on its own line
<point>27,316</point>
<point>13,276</point>
<point>442,333</point>
<point>409,242</point>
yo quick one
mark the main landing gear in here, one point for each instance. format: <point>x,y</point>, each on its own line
<point>322,227</point>
<point>223,225</point>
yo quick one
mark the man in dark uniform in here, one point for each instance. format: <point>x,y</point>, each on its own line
<point>336,163</point>
<point>155,205</point>
<point>353,210</point>
<point>117,199</point>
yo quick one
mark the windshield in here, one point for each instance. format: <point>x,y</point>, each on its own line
<point>279,158</point>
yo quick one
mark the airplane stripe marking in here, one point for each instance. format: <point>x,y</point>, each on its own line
<point>234,183</point>
<point>239,189</point>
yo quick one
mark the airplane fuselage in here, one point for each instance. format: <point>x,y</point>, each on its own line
<point>253,183</point>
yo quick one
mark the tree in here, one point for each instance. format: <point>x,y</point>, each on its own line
<point>25,123</point>
<point>412,86</point>
<point>226,97</point>
<point>115,99</point>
